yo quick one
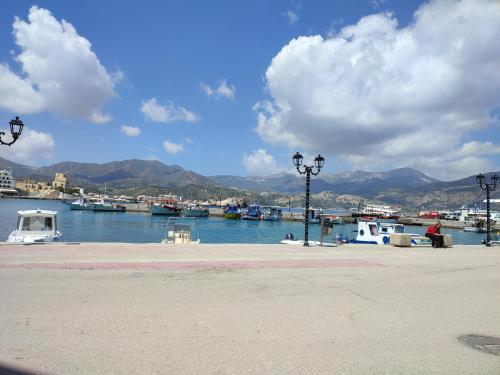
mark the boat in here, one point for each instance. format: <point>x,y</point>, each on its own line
<point>314,216</point>
<point>272,214</point>
<point>290,240</point>
<point>166,207</point>
<point>379,233</point>
<point>194,210</point>
<point>232,212</point>
<point>80,204</point>
<point>34,226</point>
<point>382,211</point>
<point>253,212</point>
<point>103,206</point>
<point>181,231</point>
<point>475,229</point>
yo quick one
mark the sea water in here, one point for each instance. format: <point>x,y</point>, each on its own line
<point>89,226</point>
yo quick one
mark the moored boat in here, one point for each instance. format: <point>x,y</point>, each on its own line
<point>194,210</point>
<point>103,206</point>
<point>165,207</point>
<point>272,214</point>
<point>253,212</point>
<point>232,212</point>
<point>80,204</point>
<point>35,226</point>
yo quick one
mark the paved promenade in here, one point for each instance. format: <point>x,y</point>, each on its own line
<point>252,309</point>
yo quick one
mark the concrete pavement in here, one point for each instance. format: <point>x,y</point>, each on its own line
<point>257,309</point>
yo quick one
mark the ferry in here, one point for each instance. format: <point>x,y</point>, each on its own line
<point>232,212</point>
<point>193,210</point>
<point>35,226</point>
<point>166,207</point>
<point>253,212</point>
<point>382,211</point>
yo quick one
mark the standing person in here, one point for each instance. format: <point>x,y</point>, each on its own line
<point>434,233</point>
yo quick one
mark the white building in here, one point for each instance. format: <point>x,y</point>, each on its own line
<point>7,182</point>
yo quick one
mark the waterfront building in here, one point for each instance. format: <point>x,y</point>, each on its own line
<point>60,181</point>
<point>7,182</point>
<point>31,186</point>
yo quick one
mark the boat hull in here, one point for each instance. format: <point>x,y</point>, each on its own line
<point>251,217</point>
<point>165,210</point>
<point>232,216</point>
<point>105,208</point>
<point>194,213</point>
<point>80,207</point>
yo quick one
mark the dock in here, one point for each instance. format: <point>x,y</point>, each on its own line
<point>111,308</point>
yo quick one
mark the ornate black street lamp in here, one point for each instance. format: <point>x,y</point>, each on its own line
<point>488,187</point>
<point>319,161</point>
<point>16,128</point>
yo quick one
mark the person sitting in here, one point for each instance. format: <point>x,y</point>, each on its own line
<point>434,233</point>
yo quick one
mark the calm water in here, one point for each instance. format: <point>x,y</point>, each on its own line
<point>89,226</point>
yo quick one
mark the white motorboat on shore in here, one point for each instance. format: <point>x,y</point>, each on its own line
<point>34,226</point>
<point>379,233</point>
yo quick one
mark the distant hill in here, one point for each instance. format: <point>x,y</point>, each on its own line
<point>357,182</point>
<point>18,170</point>
<point>119,174</point>
<point>404,186</point>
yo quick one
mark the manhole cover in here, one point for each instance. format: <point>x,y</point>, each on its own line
<point>487,344</point>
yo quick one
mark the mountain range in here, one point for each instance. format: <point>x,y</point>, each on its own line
<point>405,186</point>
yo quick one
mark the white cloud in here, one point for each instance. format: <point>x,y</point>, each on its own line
<point>173,148</point>
<point>378,95</point>
<point>58,71</point>
<point>224,90</point>
<point>153,111</point>
<point>130,131</point>
<point>31,147</point>
<point>260,163</point>
<point>291,16</point>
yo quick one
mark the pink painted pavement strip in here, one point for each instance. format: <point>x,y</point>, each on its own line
<point>199,265</point>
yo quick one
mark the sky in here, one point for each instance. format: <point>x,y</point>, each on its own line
<point>237,87</point>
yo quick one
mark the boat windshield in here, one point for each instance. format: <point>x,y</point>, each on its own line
<point>37,224</point>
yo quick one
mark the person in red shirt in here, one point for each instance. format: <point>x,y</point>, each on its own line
<point>434,233</point>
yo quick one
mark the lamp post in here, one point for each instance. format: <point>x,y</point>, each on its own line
<point>319,161</point>
<point>16,128</point>
<point>488,187</point>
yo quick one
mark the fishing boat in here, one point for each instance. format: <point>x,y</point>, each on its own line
<point>253,212</point>
<point>181,231</point>
<point>194,210</point>
<point>314,216</point>
<point>166,207</point>
<point>34,226</point>
<point>232,212</point>
<point>379,233</point>
<point>103,206</point>
<point>80,204</point>
<point>272,214</point>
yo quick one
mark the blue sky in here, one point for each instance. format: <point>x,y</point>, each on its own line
<point>170,50</point>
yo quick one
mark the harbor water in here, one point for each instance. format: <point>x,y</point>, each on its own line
<point>132,227</point>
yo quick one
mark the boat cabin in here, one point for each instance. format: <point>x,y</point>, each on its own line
<point>35,226</point>
<point>182,231</point>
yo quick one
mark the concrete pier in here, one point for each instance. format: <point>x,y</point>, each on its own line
<point>255,309</point>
